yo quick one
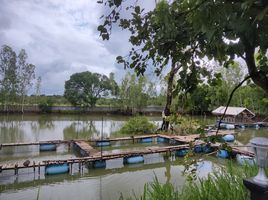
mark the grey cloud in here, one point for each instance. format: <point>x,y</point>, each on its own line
<point>61,38</point>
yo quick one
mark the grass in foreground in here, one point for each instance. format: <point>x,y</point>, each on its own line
<point>227,184</point>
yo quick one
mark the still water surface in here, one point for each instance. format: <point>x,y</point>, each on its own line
<point>96,184</point>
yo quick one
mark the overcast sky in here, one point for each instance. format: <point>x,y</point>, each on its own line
<point>61,38</point>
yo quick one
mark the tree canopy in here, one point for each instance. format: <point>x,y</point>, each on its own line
<point>85,88</point>
<point>190,30</point>
<point>16,75</point>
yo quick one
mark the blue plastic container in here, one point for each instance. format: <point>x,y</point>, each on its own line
<point>103,144</point>
<point>245,160</point>
<point>100,164</point>
<point>134,159</point>
<point>222,154</point>
<point>161,140</point>
<point>198,149</point>
<point>56,169</point>
<point>47,147</point>
<point>228,138</point>
<point>147,140</point>
<point>181,152</point>
<point>207,148</point>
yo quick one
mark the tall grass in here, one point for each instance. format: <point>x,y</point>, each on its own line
<point>226,183</point>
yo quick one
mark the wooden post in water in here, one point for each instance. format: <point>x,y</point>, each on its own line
<point>101,134</point>
<point>39,168</point>
<point>34,167</point>
<point>16,169</point>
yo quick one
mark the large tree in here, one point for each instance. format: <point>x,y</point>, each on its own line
<point>157,40</point>
<point>26,73</point>
<point>16,75</point>
<point>8,75</point>
<point>222,30</point>
<point>85,88</point>
<point>135,92</point>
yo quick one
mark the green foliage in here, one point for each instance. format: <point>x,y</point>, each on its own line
<point>186,31</point>
<point>137,125</point>
<point>135,93</point>
<point>46,105</point>
<point>85,88</point>
<point>225,183</point>
<point>184,125</point>
<point>16,76</point>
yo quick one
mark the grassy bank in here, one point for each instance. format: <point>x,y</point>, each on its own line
<point>227,184</point>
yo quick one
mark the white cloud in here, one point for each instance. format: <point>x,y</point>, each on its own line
<point>60,37</point>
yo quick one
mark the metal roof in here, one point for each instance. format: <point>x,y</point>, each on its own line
<point>233,111</point>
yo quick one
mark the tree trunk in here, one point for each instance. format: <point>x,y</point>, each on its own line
<point>167,112</point>
<point>259,77</point>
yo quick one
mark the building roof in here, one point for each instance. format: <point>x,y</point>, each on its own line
<point>233,111</point>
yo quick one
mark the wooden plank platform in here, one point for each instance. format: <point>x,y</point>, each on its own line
<point>95,157</point>
<point>183,139</point>
<point>72,141</point>
<point>85,148</point>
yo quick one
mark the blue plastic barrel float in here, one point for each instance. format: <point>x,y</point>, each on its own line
<point>228,138</point>
<point>198,148</point>
<point>133,159</point>
<point>222,153</point>
<point>181,152</point>
<point>99,164</point>
<point>227,126</point>
<point>162,140</point>
<point>103,143</point>
<point>245,160</point>
<point>242,126</point>
<point>147,140</point>
<point>53,169</point>
<point>207,148</point>
<point>47,147</point>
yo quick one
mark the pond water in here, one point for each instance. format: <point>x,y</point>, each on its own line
<point>96,184</point>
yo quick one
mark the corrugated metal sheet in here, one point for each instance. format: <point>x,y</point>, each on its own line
<point>233,111</point>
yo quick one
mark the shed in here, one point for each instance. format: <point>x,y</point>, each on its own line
<point>234,115</point>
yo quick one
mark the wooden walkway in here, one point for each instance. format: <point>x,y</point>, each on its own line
<point>183,139</point>
<point>193,137</point>
<point>89,154</point>
<point>133,138</point>
<point>85,148</point>
<point>95,157</point>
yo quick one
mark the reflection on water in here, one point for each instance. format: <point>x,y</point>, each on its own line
<point>91,183</point>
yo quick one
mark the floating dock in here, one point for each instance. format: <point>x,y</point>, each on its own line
<point>89,154</point>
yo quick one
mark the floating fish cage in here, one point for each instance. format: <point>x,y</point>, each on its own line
<point>228,138</point>
<point>147,140</point>
<point>181,152</point>
<point>99,164</point>
<point>47,147</point>
<point>133,160</point>
<point>53,169</point>
<point>103,143</point>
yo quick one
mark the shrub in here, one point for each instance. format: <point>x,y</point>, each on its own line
<point>137,125</point>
